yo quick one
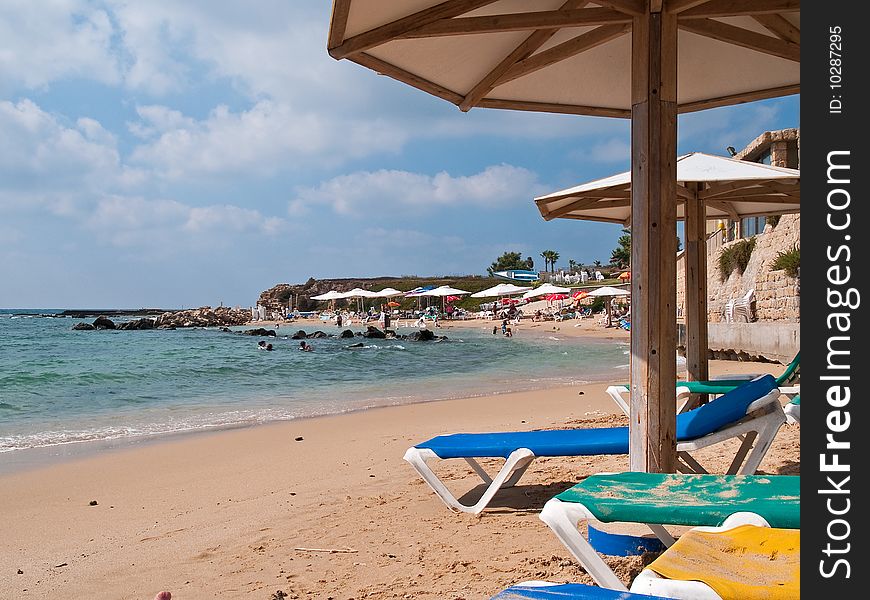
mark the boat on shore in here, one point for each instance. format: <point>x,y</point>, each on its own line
<point>518,275</point>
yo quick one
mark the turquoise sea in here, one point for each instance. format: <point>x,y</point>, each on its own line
<point>60,387</point>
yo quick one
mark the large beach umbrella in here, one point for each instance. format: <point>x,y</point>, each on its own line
<point>609,293</point>
<point>359,294</point>
<point>444,291</point>
<point>616,58</point>
<point>502,289</point>
<point>330,295</point>
<point>545,289</point>
<point>708,187</point>
<point>389,293</point>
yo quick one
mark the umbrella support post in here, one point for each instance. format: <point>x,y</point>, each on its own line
<point>696,288</point>
<point>652,429</point>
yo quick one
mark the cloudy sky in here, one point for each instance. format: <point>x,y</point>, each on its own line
<point>172,154</point>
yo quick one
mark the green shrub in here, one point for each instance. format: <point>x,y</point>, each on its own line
<point>789,261</point>
<point>773,220</point>
<point>735,257</point>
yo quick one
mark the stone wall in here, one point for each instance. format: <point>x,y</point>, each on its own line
<point>777,295</point>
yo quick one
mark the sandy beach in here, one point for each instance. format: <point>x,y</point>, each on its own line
<point>316,508</point>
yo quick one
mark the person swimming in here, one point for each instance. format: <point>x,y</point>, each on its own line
<point>305,346</point>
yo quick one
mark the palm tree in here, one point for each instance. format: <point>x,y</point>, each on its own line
<point>554,256</point>
<point>597,263</point>
<point>550,257</point>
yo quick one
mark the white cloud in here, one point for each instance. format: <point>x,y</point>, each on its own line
<point>358,193</point>
<point>41,42</point>
<point>38,150</point>
<point>268,138</point>
<point>128,221</point>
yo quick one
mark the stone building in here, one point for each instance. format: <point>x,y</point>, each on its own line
<point>774,328</point>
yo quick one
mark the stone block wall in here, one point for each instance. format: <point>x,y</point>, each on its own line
<point>777,295</point>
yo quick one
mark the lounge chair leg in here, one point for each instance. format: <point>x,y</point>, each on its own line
<point>745,447</point>
<point>766,434</point>
<point>663,534</point>
<point>562,518</point>
<point>479,470</point>
<point>513,468</point>
<point>693,465</point>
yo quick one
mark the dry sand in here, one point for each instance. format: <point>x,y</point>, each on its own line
<point>245,513</point>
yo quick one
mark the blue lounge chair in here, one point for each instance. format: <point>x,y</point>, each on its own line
<point>752,410</point>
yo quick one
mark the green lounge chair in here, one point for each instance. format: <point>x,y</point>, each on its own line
<point>657,499</point>
<point>788,383</point>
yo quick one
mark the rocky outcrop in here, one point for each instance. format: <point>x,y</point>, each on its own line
<point>83,327</point>
<point>347,333</point>
<point>143,323</point>
<point>374,332</point>
<point>103,323</point>
<point>260,331</point>
<point>203,317</point>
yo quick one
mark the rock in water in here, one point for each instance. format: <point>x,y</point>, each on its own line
<point>374,332</point>
<point>83,327</point>
<point>103,323</point>
<point>347,333</point>
<point>260,331</point>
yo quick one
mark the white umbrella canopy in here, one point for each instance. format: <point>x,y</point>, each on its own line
<point>389,293</point>
<point>609,291</point>
<point>359,293</point>
<point>547,288</point>
<point>502,289</point>
<point>569,57</point>
<point>330,295</point>
<point>444,290</point>
<point>728,188</point>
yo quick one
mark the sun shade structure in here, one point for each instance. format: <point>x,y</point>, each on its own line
<point>444,290</point>
<point>502,289</point>
<point>613,58</point>
<point>727,187</point>
<point>330,295</point>
<point>708,187</point>
<point>389,293</point>
<point>552,55</point>
<point>546,289</point>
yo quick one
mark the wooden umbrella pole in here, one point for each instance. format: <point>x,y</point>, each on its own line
<point>652,429</point>
<point>696,288</point>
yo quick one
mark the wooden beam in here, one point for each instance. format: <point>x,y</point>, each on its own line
<point>780,27</point>
<point>565,109</point>
<point>338,23</point>
<point>652,424</point>
<point>550,20</point>
<point>683,193</point>
<point>744,38</point>
<point>725,207</point>
<point>696,288</point>
<point>741,98</point>
<point>748,186</point>
<point>634,8</point>
<point>385,68</point>
<point>390,31</point>
<point>734,8</point>
<point>574,46</point>
<point>524,50</point>
<point>578,204</point>
<point>675,7</point>
<point>626,222</point>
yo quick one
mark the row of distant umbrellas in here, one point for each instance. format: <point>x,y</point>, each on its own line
<point>450,294</point>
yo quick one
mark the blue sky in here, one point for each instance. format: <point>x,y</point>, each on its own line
<point>194,153</point>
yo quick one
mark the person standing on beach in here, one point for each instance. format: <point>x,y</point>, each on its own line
<point>338,319</point>
<point>386,318</point>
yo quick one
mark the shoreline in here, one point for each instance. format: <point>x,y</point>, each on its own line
<point>229,514</point>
